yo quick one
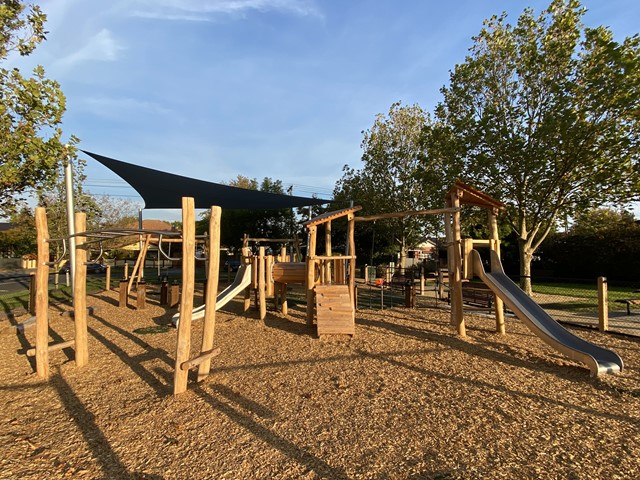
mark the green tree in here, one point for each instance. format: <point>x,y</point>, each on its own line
<point>21,238</point>
<point>266,223</point>
<point>55,201</point>
<point>30,111</point>
<point>393,179</point>
<point>544,116</point>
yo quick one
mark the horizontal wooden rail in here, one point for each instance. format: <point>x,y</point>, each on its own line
<point>335,257</point>
<point>195,361</point>
<point>53,347</point>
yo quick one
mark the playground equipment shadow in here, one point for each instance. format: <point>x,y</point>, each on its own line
<point>405,398</point>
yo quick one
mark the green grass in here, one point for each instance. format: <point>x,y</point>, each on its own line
<point>588,295</point>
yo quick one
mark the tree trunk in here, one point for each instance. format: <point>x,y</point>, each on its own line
<point>526,255</point>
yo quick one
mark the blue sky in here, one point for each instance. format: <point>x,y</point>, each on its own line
<point>213,89</point>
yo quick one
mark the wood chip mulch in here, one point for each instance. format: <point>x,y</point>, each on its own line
<point>404,399</point>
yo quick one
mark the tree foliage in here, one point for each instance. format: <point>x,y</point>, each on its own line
<point>543,115</point>
<point>21,238</point>
<point>267,223</point>
<point>31,109</point>
<point>392,179</point>
<point>601,242</point>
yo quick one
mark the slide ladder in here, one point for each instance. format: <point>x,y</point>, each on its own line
<point>335,312</point>
<point>599,360</point>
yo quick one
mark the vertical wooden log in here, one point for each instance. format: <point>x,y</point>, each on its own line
<point>352,261</point>
<point>183,347</point>
<point>125,273</point>
<point>283,299</point>
<point>174,300</point>
<point>268,276</point>
<point>328,252</point>
<point>80,293</point>
<point>107,279</point>
<point>603,304</point>
<point>247,260</point>
<point>137,268</point>
<point>209,327</point>
<point>467,264</point>
<point>311,267</point>
<point>123,297</point>
<point>494,237</point>
<point>141,295</point>
<point>42,295</point>
<point>32,291</point>
<point>164,293</point>
<point>262,278</point>
<point>455,276</point>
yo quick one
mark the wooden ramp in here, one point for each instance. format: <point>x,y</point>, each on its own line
<point>335,311</point>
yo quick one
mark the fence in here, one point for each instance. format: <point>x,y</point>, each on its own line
<point>569,301</point>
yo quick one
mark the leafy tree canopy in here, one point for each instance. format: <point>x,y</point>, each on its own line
<point>31,110</point>
<point>543,115</point>
<point>392,179</point>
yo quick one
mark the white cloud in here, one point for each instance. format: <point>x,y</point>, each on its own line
<point>204,10</point>
<point>100,47</point>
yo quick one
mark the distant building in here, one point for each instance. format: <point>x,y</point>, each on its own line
<point>425,250</point>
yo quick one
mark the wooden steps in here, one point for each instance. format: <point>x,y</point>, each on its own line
<point>334,310</point>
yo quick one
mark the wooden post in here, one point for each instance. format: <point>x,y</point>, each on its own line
<point>32,291</point>
<point>80,293</point>
<point>494,243</point>
<point>268,277</point>
<point>284,305</point>
<point>311,267</point>
<point>141,295</point>
<point>174,299</point>
<point>107,279</point>
<point>352,260</point>
<point>467,264</point>
<point>125,274</point>
<point>183,347</point>
<point>327,252</point>
<point>455,276</point>
<point>211,295</point>
<point>164,292</point>
<point>262,291</point>
<point>137,268</point>
<point>123,299</point>
<point>603,304</point>
<point>42,295</point>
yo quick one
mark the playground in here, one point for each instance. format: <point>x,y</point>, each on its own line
<point>405,398</point>
<point>294,381</point>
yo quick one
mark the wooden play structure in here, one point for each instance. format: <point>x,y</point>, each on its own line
<point>328,279</point>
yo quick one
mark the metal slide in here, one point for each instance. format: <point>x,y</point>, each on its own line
<point>240,282</point>
<point>598,359</point>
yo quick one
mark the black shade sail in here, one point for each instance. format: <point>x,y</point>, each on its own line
<point>165,190</point>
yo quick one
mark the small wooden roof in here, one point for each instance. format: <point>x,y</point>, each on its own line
<point>328,216</point>
<point>470,196</point>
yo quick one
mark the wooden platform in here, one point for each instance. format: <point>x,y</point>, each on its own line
<point>335,311</point>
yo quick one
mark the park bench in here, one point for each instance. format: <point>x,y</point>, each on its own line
<point>477,294</point>
<point>628,302</point>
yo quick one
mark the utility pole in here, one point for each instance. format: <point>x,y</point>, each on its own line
<point>71,222</point>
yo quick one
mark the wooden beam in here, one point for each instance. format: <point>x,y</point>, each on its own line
<point>42,295</point>
<point>32,352</point>
<point>80,293</point>
<point>382,216</point>
<point>200,359</point>
<point>183,344</point>
<point>211,294</point>
<point>136,267</point>
<point>328,216</point>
